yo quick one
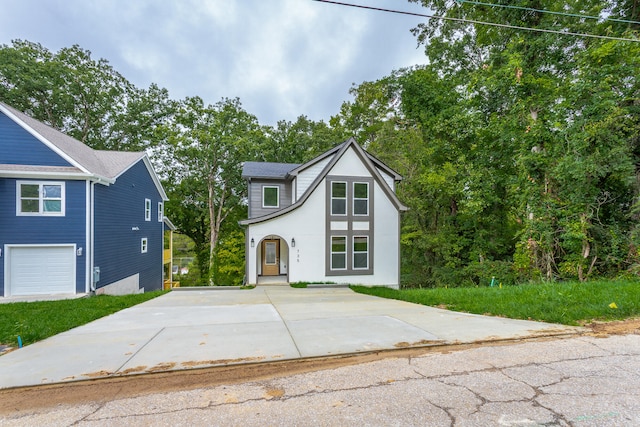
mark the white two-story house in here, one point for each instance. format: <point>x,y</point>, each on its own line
<point>335,219</point>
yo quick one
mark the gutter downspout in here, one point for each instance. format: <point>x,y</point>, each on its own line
<point>92,284</point>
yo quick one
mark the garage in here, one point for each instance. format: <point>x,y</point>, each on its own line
<point>37,270</point>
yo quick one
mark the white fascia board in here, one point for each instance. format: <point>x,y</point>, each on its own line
<point>45,141</point>
<point>43,175</point>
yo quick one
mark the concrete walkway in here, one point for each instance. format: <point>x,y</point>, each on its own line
<point>202,328</point>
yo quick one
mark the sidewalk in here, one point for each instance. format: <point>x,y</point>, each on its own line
<point>193,329</point>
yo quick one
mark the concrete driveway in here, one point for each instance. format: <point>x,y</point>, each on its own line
<point>208,327</point>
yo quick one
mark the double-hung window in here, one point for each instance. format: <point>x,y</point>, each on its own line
<point>147,209</point>
<point>40,198</point>
<point>338,198</point>
<point>338,253</point>
<point>360,252</point>
<point>144,245</point>
<point>160,212</point>
<point>361,198</point>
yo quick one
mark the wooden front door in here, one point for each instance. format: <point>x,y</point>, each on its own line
<point>270,257</point>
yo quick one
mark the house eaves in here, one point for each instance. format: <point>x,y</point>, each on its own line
<point>337,153</point>
<point>42,172</point>
<point>101,166</point>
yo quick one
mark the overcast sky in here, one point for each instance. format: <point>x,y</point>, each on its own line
<point>282,58</point>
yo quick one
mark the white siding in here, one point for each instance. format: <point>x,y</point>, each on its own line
<point>307,225</point>
<point>388,179</point>
<point>307,176</point>
<point>350,165</point>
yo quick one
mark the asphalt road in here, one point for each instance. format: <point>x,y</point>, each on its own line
<point>578,381</point>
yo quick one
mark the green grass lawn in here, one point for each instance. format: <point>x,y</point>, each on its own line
<point>566,303</point>
<point>34,321</point>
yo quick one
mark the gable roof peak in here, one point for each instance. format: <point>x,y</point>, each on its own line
<point>106,165</point>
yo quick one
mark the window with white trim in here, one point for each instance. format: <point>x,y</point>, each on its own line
<point>360,252</point>
<point>160,212</point>
<point>147,209</point>
<point>40,198</point>
<point>361,198</point>
<point>270,197</point>
<point>338,253</point>
<point>338,198</point>
<point>144,245</point>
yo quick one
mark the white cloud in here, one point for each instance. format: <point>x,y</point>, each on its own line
<point>282,58</point>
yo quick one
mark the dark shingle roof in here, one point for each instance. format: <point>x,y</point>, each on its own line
<point>267,170</point>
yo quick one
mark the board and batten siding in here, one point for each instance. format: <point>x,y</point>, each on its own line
<point>43,230</point>
<point>255,196</point>
<point>19,147</point>
<point>119,226</point>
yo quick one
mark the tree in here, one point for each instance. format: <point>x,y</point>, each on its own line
<point>299,141</point>
<point>209,146</point>
<point>81,97</point>
<point>557,116</point>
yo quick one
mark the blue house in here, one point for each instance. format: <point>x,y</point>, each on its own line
<point>74,219</point>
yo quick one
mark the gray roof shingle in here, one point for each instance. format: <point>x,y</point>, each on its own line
<point>267,170</point>
<point>107,164</point>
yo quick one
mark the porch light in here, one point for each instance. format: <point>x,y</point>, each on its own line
<point>293,242</point>
<point>253,242</point>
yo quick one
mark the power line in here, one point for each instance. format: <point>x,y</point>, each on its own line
<point>572,15</point>
<point>471,21</point>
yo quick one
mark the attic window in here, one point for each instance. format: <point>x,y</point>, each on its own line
<point>40,198</point>
<point>270,197</point>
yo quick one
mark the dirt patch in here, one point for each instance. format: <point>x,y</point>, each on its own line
<point>135,370</point>
<point>274,393</point>
<point>98,374</point>
<point>404,344</point>
<point>221,362</point>
<point>621,327</point>
<point>162,367</point>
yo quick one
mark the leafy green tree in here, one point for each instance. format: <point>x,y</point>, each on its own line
<point>299,141</point>
<point>82,97</point>
<point>208,149</point>
<point>555,115</point>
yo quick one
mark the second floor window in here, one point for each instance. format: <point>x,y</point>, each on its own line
<point>40,198</point>
<point>270,197</point>
<point>147,209</point>
<point>360,198</point>
<point>338,198</point>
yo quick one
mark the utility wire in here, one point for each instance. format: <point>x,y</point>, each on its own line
<point>572,15</point>
<point>471,21</point>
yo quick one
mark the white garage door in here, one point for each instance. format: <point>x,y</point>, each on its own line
<point>37,270</point>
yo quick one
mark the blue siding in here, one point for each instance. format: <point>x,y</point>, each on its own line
<point>68,229</point>
<point>119,210</point>
<point>19,147</point>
